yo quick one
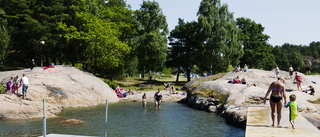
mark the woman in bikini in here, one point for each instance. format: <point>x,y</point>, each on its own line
<point>277,95</point>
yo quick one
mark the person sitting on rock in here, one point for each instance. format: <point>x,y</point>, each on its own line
<point>243,81</point>
<point>238,69</point>
<point>245,68</point>
<point>312,90</point>
<point>171,90</point>
<point>237,80</point>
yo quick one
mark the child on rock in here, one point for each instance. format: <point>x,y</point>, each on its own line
<point>293,109</point>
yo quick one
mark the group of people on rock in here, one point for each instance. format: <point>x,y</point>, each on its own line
<point>297,78</point>
<point>239,69</point>
<point>15,83</point>
<point>291,70</point>
<point>278,95</point>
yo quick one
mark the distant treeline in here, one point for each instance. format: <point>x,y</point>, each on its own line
<point>106,37</point>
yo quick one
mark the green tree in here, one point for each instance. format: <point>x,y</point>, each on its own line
<point>99,38</point>
<point>220,36</point>
<point>4,39</point>
<point>19,16</point>
<point>152,41</point>
<point>127,25</point>
<point>297,61</point>
<point>185,46</point>
<point>315,49</point>
<point>289,54</point>
<point>257,51</point>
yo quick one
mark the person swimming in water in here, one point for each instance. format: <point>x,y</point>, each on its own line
<point>158,98</point>
<point>277,95</point>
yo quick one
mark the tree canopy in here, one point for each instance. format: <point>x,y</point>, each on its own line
<point>220,36</point>
<point>110,39</point>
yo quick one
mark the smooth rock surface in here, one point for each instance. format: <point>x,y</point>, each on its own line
<point>61,86</point>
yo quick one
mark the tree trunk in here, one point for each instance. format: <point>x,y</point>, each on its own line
<point>188,74</point>
<point>178,73</point>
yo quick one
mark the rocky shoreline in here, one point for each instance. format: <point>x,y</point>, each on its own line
<point>65,86</point>
<point>233,115</point>
<point>240,97</point>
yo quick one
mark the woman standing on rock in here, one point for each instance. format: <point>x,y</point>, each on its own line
<point>290,71</point>
<point>298,79</point>
<point>277,70</point>
<point>277,95</point>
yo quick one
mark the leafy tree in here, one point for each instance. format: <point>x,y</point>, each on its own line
<point>131,65</point>
<point>127,25</point>
<point>287,55</point>
<point>257,51</point>
<point>297,61</point>
<point>220,36</point>
<point>102,47</point>
<point>152,47</point>
<point>4,39</point>
<point>280,59</point>
<point>315,49</point>
<point>184,46</point>
<point>24,27</point>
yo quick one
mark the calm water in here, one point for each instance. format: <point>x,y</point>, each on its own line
<point>129,120</point>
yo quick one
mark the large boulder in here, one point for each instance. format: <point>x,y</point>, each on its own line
<point>61,86</point>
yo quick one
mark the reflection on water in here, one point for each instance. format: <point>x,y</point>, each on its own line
<point>129,120</point>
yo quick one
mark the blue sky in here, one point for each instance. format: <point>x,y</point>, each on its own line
<point>285,21</point>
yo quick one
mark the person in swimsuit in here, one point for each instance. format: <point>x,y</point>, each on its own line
<point>277,91</point>
<point>308,66</point>
<point>298,79</point>
<point>312,90</point>
<point>144,100</point>
<point>290,71</point>
<point>15,85</point>
<point>293,109</point>
<point>277,70</point>
<point>9,85</point>
<point>158,98</point>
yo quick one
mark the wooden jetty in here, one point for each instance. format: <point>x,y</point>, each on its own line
<point>62,135</point>
<point>259,125</point>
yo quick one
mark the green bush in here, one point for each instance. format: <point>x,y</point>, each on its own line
<point>3,88</point>
<point>111,83</point>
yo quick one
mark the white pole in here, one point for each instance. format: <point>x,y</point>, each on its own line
<point>105,124</point>
<point>44,119</point>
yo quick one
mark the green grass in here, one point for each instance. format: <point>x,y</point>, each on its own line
<point>133,83</point>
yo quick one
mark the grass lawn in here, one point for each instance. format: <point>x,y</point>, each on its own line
<point>133,83</point>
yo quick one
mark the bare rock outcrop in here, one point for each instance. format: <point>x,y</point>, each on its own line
<point>241,96</point>
<point>61,86</point>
